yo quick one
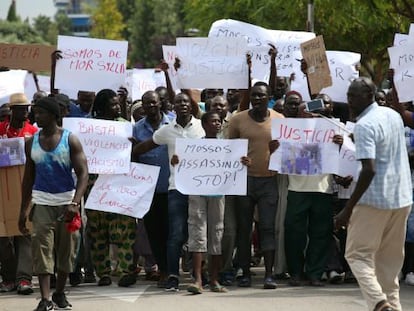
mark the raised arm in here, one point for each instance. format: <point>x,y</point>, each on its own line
<point>55,56</point>
<point>304,69</point>
<point>245,101</point>
<point>164,67</point>
<point>273,69</point>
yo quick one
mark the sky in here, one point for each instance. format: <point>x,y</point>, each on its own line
<point>28,8</point>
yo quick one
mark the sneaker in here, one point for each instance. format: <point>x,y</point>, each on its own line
<point>409,279</point>
<point>172,284</point>
<point>244,281</point>
<point>269,283</point>
<point>349,277</point>
<point>105,281</point>
<point>75,278</point>
<point>6,287</point>
<point>127,280</point>
<point>227,278</point>
<point>89,277</point>
<point>335,277</point>
<point>61,302</point>
<point>24,287</point>
<point>45,305</point>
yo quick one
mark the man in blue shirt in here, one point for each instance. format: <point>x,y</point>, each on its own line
<point>379,206</point>
<point>156,220</point>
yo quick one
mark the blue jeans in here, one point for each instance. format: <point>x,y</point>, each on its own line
<point>178,229</point>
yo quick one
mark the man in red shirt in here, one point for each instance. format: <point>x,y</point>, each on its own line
<point>16,272</point>
<point>18,124</point>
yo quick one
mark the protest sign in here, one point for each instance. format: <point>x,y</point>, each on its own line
<point>347,162</point>
<point>211,166</point>
<point>11,81</point>
<point>12,151</point>
<point>140,81</point>
<point>306,146</point>
<point>127,194</point>
<point>105,143</point>
<point>401,39</point>
<point>258,39</point>
<point>10,200</point>
<point>343,71</point>
<point>212,63</point>
<point>34,57</point>
<point>402,61</point>
<point>318,72</point>
<point>91,64</point>
<point>169,54</point>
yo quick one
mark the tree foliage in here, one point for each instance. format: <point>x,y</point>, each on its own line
<point>18,32</point>
<point>11,14</point>
<point>366,27</point>
<point>107,21</point>
<point>154,23</point>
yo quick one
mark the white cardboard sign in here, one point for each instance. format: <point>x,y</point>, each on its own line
<point>258,39</point>
<point>105,143</point>
<point>211,166</point>
<point>306,146</point>
<point>212,63</point>
<point>90,64</point>
<point>127,194</point>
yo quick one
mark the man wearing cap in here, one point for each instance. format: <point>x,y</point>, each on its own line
<point>48,183</point>
<point>16,270</point>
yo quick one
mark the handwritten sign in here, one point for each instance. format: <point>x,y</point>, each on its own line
<point>12,81</point>
<point>343,72</point>
<point>34,57</point>
<point>402,61</point>
<point>127,194</point>
<point>306,146</point>
<point>212,63</point>
<point>12,151</point>
<point>105,143</point>
<point>258,39</point>
<point>140,81</point>
<point>211,166</point>
<point>169,54</point>
<point>348,165</point>
<point>314,53</point>
<point>400,39</point>
<point>91,64</point>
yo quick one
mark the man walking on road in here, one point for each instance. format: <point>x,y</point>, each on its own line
<point>379,206</point>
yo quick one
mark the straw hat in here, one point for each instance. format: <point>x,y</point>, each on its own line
<point>18,99</point>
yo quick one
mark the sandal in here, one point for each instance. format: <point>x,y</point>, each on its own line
<point>194,289</point>
<point>217,288</point>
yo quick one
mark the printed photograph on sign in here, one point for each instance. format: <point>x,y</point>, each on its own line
<point>301,159</point>
<point>12,152</point>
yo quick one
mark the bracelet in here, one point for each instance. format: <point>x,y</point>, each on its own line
<point>74,203</point>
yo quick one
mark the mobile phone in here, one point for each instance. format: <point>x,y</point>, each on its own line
<point>314,105</point>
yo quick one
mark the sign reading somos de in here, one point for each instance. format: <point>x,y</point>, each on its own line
<point>211,166</point>
<point>127,194</point>
<point>91,64</point>
<point>105,143</point>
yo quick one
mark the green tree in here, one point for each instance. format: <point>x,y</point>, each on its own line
<point>42,24</point>
<point>107,21</point>
<point>63,24</point>
<point>153,24</point>
<point>11,14</point>
<point>18,32</point>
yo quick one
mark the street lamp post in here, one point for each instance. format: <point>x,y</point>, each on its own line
<point>310,23</point>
